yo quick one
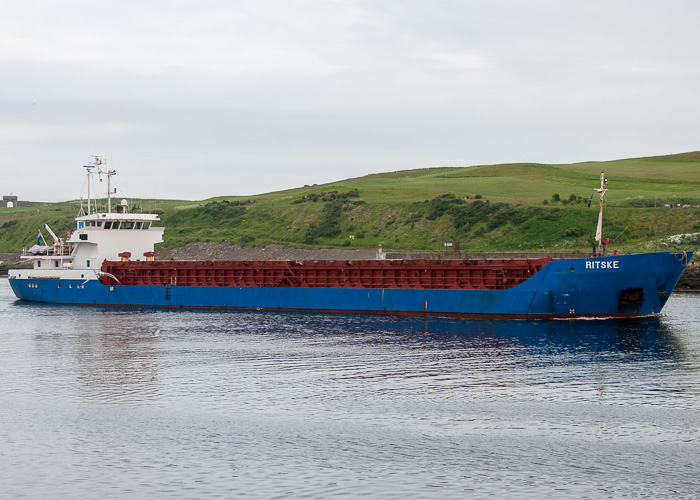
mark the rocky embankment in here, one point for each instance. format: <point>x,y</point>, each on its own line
<point>11,261</point>
<point>690,280</point>
<point>225,251</point>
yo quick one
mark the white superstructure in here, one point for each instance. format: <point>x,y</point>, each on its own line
<point>104,236</point>
<point>98,236</point>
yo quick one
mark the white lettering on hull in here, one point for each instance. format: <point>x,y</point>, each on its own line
<point>602,264</point>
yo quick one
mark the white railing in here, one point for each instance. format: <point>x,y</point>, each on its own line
<point>53,251</point>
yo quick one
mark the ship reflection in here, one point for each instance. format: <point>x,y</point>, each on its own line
<point>118,356</point>
<point>113,354</point>
<point>634,339</point>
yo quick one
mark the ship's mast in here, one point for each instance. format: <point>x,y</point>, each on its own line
<point>599,231</point>
<point>96,163</point>
<point>89,180</point>
<point>109,173</point>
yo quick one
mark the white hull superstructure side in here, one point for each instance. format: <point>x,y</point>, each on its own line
<point>100,237</point>
<point>55,274</point>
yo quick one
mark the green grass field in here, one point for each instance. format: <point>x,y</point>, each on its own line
<point>484,208</point>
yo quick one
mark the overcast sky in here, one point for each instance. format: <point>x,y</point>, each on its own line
<point>194,99</point>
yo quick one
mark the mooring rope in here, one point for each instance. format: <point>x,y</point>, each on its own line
<point>681,257</point>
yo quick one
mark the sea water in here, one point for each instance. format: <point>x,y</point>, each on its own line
<point>153,403</point>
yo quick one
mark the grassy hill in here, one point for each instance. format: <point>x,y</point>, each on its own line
<point>509,207</point>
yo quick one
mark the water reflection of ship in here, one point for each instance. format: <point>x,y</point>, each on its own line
<point>523,360</point>
<point>117,360</point>
<point>648,338</point>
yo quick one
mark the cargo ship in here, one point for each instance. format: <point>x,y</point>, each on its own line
<point>109,260</point>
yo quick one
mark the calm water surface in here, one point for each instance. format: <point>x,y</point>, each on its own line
<point>100,402</point>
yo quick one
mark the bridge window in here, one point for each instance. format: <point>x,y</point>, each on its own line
<point>115,225</point>
<point>127,225</point>
<point>146,225</point>
<point>108,224</point>
<point>137,225</point>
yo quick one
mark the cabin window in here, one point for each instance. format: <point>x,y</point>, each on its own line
<point>115,225</point>
<point>127,225</point>
<point>108,224</point>
<point>87,263</point>
<point>56,263</point>
<point>146,224</point>
<point>81,225</point>
<point>38,263</point>
<point>99,223</point>
<point>137,225</point>
<point>83,237</point>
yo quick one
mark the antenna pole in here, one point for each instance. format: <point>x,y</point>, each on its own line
<point>109,173</point>
<point>109,193</point>
<point>88,183</point>
<point>599,230</point>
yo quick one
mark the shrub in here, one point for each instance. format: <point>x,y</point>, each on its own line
<point>329,225</point>
<point>441,205</point>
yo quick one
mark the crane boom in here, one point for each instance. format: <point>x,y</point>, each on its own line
<point>55,238</point>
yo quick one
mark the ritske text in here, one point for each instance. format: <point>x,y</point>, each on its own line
<point>602,264</point>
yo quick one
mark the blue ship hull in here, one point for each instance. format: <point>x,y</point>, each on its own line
<point>614,286</point>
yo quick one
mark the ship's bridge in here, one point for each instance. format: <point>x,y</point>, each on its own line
<point>112,221</point>
<point>109,236</point>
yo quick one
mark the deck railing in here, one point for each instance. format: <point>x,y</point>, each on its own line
<point>52,251</point>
